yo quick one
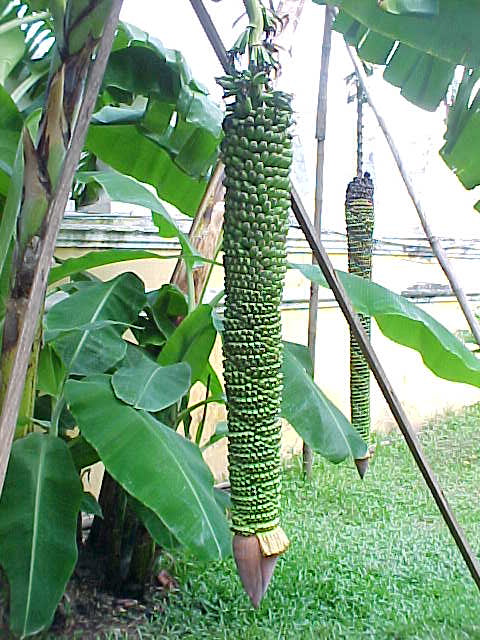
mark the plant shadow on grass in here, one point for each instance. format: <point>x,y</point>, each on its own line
<point>369,559</point>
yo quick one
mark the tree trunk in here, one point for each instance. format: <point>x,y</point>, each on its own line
<point>122,542</point>
<point>205,234</point>
<point>142,561</point>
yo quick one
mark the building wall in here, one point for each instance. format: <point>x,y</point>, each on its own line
<point>406,266</point>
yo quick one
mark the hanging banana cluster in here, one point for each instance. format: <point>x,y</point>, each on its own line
<point>359,216</point>
<point>257,154</point>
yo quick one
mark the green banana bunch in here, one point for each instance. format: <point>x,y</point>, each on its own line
<point>359,214</point>
<point>257,155</point>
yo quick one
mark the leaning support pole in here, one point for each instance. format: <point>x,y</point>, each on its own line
<point>320,132</point>
<point>31,309</point>
<point>435,243</point>
<point>390,396</point>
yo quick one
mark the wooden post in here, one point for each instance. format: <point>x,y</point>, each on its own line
<point>320,136</point>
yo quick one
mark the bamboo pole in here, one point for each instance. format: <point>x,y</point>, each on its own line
<point>211,33</point>
<point>435,243</point>
<point>359,128</point>
<point>320,133</point>
<point>33,303</point>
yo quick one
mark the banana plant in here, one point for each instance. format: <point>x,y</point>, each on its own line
<point>129,402</point>
<point>78,26</point>
<point>182,153</point>
<point>124,402</point>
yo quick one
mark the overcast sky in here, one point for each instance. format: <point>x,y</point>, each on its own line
<point>417,133</point>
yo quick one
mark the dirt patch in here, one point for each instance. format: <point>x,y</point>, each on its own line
<point>89,612</point>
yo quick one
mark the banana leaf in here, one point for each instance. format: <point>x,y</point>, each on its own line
<point>313,416</point>
<point>86,328</point>
<point>154,464</point>
<point>143,384</point>
<point>172,142</point>
<point>38,525</point>
<point>407,324</point>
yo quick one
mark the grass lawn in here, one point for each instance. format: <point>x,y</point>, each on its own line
<point>368,559</point>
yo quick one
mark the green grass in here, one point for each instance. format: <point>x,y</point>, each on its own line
<point>368,559</point>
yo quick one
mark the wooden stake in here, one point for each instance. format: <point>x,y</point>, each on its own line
<point>320,136</point>
<point>211,33</point>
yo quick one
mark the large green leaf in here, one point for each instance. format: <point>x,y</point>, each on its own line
<point>426,51</point>
<point>150,163</point>
<point>144,384</point>
<point>89,504</point>
<point>93,259</point>
<point>175,135</point>
<point>8,218</point>
<point>38,524</point>
<point>154,464</point>
<point>5,286</point>
<point>121,188</point>
<point>463,132</point>
<point>416,7</point>
<point>211,380</point>
<point>405,323</point>
<point>11,124</point>
<point>83,454</point>
<point>452,35</point>
<point>317,420</point>
<point>50,372</point>
<point>79,325</point>
<point>192,342</point>
<point>8,224</point>
<point>142,65</point>
<point>166,305</point>
<point>423,78</point>
<point>12,47</point>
